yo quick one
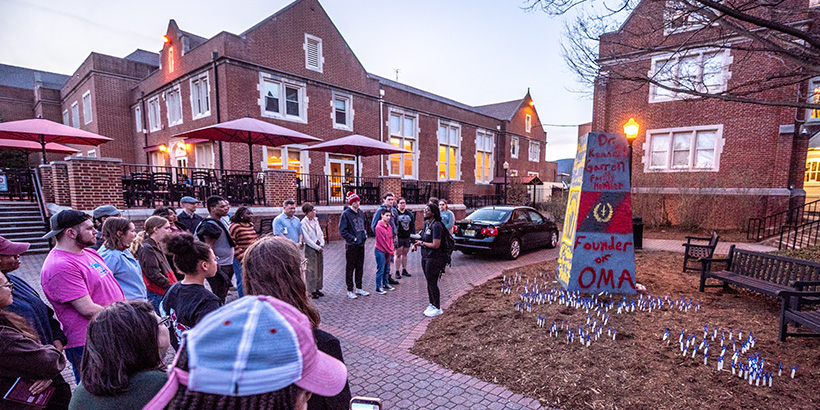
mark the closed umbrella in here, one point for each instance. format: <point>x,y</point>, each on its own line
<point>44,131</point>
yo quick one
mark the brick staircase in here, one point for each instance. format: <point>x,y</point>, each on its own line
<point>21,222</point>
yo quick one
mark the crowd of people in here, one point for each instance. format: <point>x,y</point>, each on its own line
<point>121,299</point>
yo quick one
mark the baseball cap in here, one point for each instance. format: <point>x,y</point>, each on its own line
<point>189,200</point>
<point>105,210</point>
<point>8,247</point>
<point>254,345</point>
<point>65,219</point>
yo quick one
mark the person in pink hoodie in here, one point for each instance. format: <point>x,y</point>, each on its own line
<point>384,251</point>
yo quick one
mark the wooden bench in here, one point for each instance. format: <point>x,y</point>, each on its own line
<point>694,251</point>
<point>761,272</point>
<point>790,311</point>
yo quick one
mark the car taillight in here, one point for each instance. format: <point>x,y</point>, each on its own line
<point>455,228</point>
<point>489,231</point>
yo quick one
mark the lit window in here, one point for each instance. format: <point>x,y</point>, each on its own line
<point>403,134</point>
<point>75,114</point>
<point>484,145</point>
<point>282,99</point>
<point>449,154</point>
<point>138,118</point>
<point>200,96</point>
<point>534,151</point>
<point>514,147</point>
<point>700,71</point>
<point>87,107</point>
<point>342,112</point>
<point>812,171</point>
<point>173,101</point>
<point>276,154</point>
<point>170,59</point>
<point>685,149</point>
<point>154,119</point>
<point>528,123</point>
<point>313,53</point>
<point>814,98</point>
<point>66,120</point>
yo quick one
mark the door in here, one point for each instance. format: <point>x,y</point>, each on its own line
<point>342,173</point>
<point>522,228</point>
<point>540,232</point>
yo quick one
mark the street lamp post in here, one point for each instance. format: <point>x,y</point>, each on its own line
<point>506,166</point>
<point>631,129</point>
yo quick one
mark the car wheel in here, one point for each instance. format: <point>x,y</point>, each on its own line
<point>553,242</point>
<point>515,248</point>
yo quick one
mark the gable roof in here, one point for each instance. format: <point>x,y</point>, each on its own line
<point>189,40</point>
<point>413,90</point>
<point>503,110</point>
<point>21,77</point>
<point>145,57</point>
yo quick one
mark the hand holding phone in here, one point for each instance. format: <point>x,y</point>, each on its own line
<point>365,403</point>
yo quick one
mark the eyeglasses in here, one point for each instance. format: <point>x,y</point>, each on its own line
<point>11,285</point>
<point>165,321</point>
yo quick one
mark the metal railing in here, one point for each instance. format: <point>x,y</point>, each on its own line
<point>321,189</point>
<point>19,185</point>
<point>477,201</point>
<point>148,185</point>
<point>770,225</point>
<point>799,236</point>
<point>418,192</point>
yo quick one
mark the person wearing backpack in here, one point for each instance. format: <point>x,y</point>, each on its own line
<point>433,256</point>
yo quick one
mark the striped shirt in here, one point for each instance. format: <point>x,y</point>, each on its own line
<point>244,235</point>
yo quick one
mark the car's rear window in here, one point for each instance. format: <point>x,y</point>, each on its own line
<point>489,215</point>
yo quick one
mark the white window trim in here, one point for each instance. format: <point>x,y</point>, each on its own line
<point>321,58</point>
<point>726,74</point>
<point>151,125</point>
<point>813,83</point>
<point>66,118</point>
<point>537,155</point>
<point>176,89</point>
<point>415,137</point>
<point>349,114</point>
<point>528,123</point>
<point>75,119</point>
<point>138,119</point>
<point>282,82</point>
<point>87,118</point>
<point>515,146</point>
<point>448,125</point>
<point>647,146</point>
<point>669,14</point>
<point>204,162</point>
<point>482,133</point>
<point>304,157</point>
<point>199,78</point>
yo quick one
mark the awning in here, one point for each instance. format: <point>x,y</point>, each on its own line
<point>151,148</point>
<point>196,140</point>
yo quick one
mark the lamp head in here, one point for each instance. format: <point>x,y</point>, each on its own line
<point>631,129</point>
<point>506,165</point>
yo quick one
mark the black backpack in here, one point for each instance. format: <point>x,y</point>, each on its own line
<point>448,244</point>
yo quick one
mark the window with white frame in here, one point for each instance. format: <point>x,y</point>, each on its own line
<point>812,170</point>
<point>534,151</point>
<point>813,115</point>
<point>514,147</point>
<point>156,158</point>
<point>154,119</point>
<point>403,134</point>
<point>313,53</point>
<point>75,114</point>
<point>484,146</point>
<point>66,120</point>
<point>283,99</point>
<point>702,71</point>
<point>204,155</point>
<point>200,96</point>
<point>342,111</point>
<point>287,157</point>
<point>449,154</point>
<point>528,123</point>
<point>513,172</point>
<point>685,149</point>
<point>138,118</point>
<point>87,107</point>
<point>682,15</point>
<point>173,103</point>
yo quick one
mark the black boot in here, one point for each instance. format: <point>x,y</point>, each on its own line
<point>405,273</point>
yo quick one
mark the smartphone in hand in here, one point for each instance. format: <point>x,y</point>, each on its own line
<point>365,403</point>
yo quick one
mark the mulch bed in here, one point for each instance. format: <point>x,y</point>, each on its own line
<point>483,335</point>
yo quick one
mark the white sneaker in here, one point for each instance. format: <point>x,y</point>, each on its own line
<point>429,312</point>
<point>351,295</point>
<point>362,292</point>
<point>381,292</point>
<point>438,312</point>
<point>389,287</point>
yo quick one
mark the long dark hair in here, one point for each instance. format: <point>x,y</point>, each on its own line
<point>239,215</point>
<point>121,341</point>
<point>271,267</point>
<point>14,321</point>
<point>188,252</point>
<point>434,211</point>
<point>282,399</point>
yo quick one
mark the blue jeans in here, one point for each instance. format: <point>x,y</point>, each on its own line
<point>382,269</point>
<point>75,356</point>
<point>155,300</point>
<point>237,270</point>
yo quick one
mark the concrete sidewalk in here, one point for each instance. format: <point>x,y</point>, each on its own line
<point>675,245</point>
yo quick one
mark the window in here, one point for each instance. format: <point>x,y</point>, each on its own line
<point>403,134</point>
<point>342,112</point>
<point>705,71</point>
<point>138,118</point>
<point>156,158</point>
<point>681,15</point>
<point>75,114</point>
<point>484,145</point>
<point>204,155</point>
<point>154,120</point>
<point>170,59</point>
<point>449,154</point>
<point>513,172</point>
<point>313,53</point>
<point>528,123</point>
<point>812,171</point>
<point>200,96</point>
<point>535,217</point>
<point>173,102</point>
<point>534,151</point>
<point>275,157</point>
<point>814,98</point>
<point>514,147</point>
<point>282,99</point>
<point>685,149</point>
<point>66,121</point>
<point>87,107</point>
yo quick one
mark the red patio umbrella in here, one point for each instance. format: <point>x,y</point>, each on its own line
<point>27,147</point>
<point>358,145</point>
<point>249,131</point>
<point>45,131</point>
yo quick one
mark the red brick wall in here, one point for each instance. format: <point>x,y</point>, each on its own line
<point>16,104</point>
<point>47,179</point>
<point>95,181</point>
<point>59,176</point>
<point>280,184</point>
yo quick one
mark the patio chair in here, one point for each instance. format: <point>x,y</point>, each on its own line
<point>162,187</point>
<point>696,251</point>
<point>141,190</point>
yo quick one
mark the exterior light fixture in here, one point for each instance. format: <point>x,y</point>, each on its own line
<point>163,148</point>
<point>506,165</point>
<point>165,39</point>
<point>532,103</point>
<point>181,145</point>
<point>631,129</point>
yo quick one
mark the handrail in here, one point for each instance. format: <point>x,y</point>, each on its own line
<point>760,228</point>
<point>41,199</point>
<point>808,232</point>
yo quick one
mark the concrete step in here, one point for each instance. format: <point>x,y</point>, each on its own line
<point>22,226</point>
<point>18,217</point>
<point>24,235</point>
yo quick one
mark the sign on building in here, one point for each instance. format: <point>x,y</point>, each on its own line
<point>597,253</point>
<point>4,183</point>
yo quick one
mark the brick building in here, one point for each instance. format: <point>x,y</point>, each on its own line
<point>700,161</point>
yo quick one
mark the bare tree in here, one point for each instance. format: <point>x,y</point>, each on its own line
<point>605,37</point>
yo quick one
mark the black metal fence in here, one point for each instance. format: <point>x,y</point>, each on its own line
<point>477,201</point>
<point>418,192</point>
<point>799,236</point>
<point>321,189</point>
<point>148,186</point>
<point>19,184</point>
<point>770,225</point>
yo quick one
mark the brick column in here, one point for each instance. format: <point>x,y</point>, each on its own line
<point>59,180</point>
<point>46,178</point>
<point>95,181</point>
<point>280,184</point>
<point>456,192</point>
<point>390,184</point>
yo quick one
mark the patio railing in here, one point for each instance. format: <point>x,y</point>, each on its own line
<point>149,186</point>
<point>19,185</point>
<point>321,189</point>
<point>477,201</point>
<point>418,192</point>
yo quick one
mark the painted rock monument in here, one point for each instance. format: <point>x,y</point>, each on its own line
<point>597,253</point>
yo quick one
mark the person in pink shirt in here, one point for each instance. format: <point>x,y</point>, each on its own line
<point>75,280</point>
<point>384,251</point>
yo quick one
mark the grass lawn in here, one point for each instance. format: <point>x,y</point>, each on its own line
<point>483,335</point>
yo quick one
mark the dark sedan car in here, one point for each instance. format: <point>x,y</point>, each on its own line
<point>505,230</point>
